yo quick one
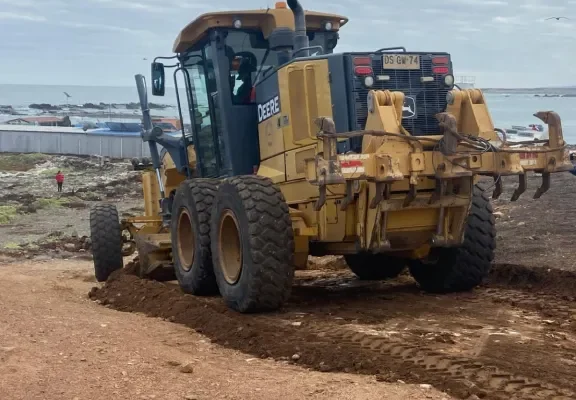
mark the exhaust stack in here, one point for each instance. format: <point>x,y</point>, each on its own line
<point>300,39</point>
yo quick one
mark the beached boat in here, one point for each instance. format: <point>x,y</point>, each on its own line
<point>519,133</point>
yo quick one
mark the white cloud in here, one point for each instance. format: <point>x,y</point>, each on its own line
<point>131,5</point>
<point>480,3</point>
<point>33,3</point>
<point>468,29</point>
<point>103,27</point>
<point>22,17</point>
<point>201,6</point>
<point>446,12</point>
<point>509,20</point>
<point>537,6</point>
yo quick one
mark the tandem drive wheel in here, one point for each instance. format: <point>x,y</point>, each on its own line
<point>107,243</point>
<point>464,267</point>
<point>252,244</point>
<point>190,235</point>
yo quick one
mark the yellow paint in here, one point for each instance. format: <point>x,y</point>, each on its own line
<point>265,20</point>
<point>151,193</point>
<point>273,168</point>
<point>304,95</point>
<point>170,176</point>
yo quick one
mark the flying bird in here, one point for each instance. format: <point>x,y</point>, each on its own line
<point>67,95</point>
<point>557,18</point>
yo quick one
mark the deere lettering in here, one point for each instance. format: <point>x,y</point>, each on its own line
<point>268,109</point>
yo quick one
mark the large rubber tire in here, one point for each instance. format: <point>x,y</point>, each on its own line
<point>190,236</point>
<point>252,231</point>
<point>106,236</point>
<point>375,267</point>
<point>464,267</point>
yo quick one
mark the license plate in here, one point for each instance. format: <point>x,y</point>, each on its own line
<point>401,61</point>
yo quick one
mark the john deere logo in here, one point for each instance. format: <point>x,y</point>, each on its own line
<point>409,107</point>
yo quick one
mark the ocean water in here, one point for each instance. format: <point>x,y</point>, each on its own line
<point>506,108</point>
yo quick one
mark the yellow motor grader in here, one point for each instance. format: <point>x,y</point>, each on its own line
<point>296,150</point>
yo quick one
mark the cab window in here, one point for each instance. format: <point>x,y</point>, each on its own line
<point>250,60</point>
<point>248,54</point>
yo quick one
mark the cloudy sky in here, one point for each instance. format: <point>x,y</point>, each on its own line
<point>504,43</point>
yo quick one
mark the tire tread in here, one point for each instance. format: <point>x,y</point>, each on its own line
<point>106,237</point>
<point>463,268</point>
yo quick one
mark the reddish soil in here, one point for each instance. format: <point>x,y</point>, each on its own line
<point>495,342</point>
<point>56,344</point>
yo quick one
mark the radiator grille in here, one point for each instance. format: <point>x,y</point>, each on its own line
<point>429,98</point>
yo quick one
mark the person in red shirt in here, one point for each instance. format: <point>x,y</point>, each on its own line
<point>59,180</point>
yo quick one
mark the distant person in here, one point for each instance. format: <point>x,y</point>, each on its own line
<point>59,180</point>
<point>573,160</point>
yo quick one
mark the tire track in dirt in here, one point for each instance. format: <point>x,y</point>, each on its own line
<point>326,342</point>
<point>481,379</point>
<point>550,292</point>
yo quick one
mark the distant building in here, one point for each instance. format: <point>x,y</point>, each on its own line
<point>41,121</point>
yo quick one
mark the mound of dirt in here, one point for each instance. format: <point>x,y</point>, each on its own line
<point>126,292</point>
<point>541,279</point>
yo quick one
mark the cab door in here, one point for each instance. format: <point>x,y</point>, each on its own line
<point>205,121</point>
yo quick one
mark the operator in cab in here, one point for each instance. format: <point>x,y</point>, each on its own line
<point>245,70</point>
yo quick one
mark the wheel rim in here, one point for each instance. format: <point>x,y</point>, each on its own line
<point>186,243</point>
<point>230,249</point>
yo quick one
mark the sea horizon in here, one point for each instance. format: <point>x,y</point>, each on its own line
<point>507,107</point>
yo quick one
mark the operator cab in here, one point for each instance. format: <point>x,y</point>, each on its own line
<point>222,57</point>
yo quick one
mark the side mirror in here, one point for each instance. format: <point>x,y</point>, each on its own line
<point>158,79</point>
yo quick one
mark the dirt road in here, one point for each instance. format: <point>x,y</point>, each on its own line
<point>56,344</point>
<point>503,341</point>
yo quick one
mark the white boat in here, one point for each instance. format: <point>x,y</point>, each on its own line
<point>465,82</point>
<point>518,133</point>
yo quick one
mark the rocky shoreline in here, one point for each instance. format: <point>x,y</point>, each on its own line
<point>52,108</point>
<point>36,220</point>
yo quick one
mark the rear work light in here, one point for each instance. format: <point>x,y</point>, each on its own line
<point>440,70</point>
<point>363,70</point>
<point>440,60</point>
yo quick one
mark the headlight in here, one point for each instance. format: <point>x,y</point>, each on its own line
<point>328,26</point>
<point>368,81</point>
<point>449,80</point>
<point>237,24</point>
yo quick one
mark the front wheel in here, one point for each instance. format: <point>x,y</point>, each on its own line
<point>107,243</point>
<point>252,244</point>
<point>464,267</point>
